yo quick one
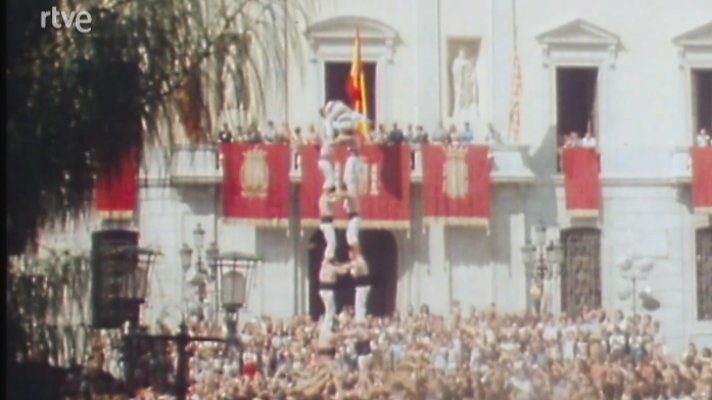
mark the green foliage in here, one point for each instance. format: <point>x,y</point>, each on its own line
<point>77,102</point>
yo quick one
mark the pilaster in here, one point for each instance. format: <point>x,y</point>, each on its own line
<point>427,60</point>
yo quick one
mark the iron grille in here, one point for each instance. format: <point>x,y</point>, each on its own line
<point>581,270</point>
<point>704,274</point>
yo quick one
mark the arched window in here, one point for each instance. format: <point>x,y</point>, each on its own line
<point>581,270</point>
<point>704,273</point>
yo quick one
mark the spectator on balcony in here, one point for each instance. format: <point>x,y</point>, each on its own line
<point>451,137</point>
<point>312,136</point>
<point>296,138</point>
<point>253,134</point>
<point>270,133</point>
<point>225,136</point>
<point>703,138</point>
<point>379,135</point>
<point>284,135</point>
<point>240,135</point>
<point>395,136</point>
<point>439,134</point>
<point>409,134</point>
<point>589,140</point>
<point>466,136</point>
<point>420,137</point>
<point>572,140</point>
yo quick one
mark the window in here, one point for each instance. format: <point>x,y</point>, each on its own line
<point>336,75</point>
<point>576,109</point>
<point>701,99</point>
<point>704,274</point>
<point>581,270</point>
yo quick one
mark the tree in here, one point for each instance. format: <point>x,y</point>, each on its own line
<point>78,102</point>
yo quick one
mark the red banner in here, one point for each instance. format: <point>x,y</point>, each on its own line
<point>115,192</point>
<point>581,182</point>
<point>702,179</point>
<point>384,186</point>
<point>456,185</point>
<point>256,183</point>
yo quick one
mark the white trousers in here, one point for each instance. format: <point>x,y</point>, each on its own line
<point>351,173</point>
<point>327,229</point>
<point>327,172</point>
<point>361,301</point>
<point>352,230</point>
<point>327,297</point>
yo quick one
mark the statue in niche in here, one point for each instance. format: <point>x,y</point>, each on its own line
<point>464,85</point>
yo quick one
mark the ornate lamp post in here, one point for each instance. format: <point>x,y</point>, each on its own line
<point>540,260</point>
<point>197,276</point>
<point>633,270</point>
<point>234,269</point>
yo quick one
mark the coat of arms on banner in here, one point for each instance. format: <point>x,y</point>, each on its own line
<point>455,179</point>
<point>254,174</point>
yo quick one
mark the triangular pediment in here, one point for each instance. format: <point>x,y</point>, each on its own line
<point>700,36</point>
<point>578,32</point>
<point>345,26</point>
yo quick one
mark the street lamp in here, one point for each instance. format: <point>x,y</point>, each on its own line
<point>197,277</point>
<point>234,269</point>
<point>633,269</point>
<point>538,258</point>
<point>133,282</point>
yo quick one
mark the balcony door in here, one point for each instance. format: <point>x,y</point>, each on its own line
<point>336,76</point>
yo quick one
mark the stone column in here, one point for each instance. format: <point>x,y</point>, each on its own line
<point>428,60</point>
<point>501,41</point>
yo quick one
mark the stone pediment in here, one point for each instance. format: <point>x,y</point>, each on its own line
<point>345,26</point>
<point>700,36</point>
<point>578,32</point>
<point>340,31</point>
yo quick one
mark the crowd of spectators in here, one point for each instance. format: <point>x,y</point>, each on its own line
<point>380,134</point>
<point>476,355</point>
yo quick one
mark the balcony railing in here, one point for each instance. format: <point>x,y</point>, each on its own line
<point>196,165</point>
<point>201,165</point>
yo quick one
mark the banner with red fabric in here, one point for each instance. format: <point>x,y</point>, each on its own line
<point>582,182</point>
<point>701,179</point>
<point>256,183</point>
<point>115,191</point>
<point>384,186</point>
<point>456,187</point>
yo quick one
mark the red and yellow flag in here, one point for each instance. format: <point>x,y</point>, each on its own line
<point>356,87</point>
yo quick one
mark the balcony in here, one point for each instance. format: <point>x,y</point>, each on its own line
<point>196,165</point>
<point>509,165</point>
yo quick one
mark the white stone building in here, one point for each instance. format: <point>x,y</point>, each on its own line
<point>643,70</point>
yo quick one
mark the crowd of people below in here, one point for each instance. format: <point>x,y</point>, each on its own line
<point>476,355</point>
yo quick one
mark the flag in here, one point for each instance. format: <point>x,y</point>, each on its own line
<point>356,87</point>
<point>515,108</point>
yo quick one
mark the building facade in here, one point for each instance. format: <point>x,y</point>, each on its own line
<point>635,73</point>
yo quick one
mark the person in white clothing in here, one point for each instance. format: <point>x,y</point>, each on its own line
<point>328,276</point>
<point>362,279</point>
<point>326,225</point>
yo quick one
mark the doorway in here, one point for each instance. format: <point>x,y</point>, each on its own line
<point>576,109</point>
<point>336,76</point>
<point>380,249</point>
<point>702,99</point>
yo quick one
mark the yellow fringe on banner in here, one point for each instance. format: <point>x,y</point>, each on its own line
<point>583,213</point>
<point>259,222</point>
<point>703,210</point>
<point>459,221</point>
<point>365,224</point>
<point>115,215</point>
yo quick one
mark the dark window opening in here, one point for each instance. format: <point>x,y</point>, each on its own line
<point>576,104</point>
<point>336,75</point>
<point>702,100</point>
